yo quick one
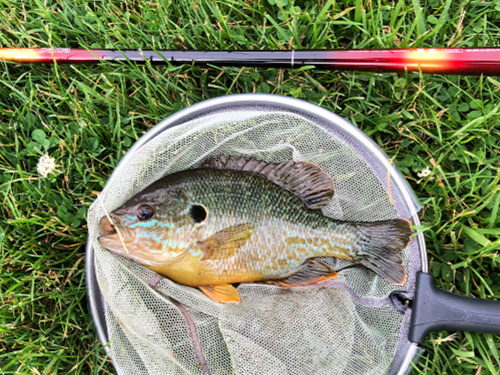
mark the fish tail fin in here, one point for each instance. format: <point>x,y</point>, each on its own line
<point>380,245</point>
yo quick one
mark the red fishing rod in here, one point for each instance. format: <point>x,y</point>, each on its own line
<point>463,61</point>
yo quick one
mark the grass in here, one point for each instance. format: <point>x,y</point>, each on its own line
<point>88,117</point>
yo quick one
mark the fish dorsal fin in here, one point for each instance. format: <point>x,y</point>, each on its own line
<point>226,242</point>
<point>306,180</point>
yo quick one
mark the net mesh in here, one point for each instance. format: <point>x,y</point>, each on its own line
<point>343,326</point>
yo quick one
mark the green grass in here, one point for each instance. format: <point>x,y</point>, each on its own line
<point>88,117</point>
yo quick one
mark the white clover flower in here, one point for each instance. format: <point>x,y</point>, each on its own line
<point>423,174</point>
<point>46,165</point>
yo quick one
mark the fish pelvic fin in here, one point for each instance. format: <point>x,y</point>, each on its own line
<point>379,248</point>
<point>222,293</point>
<point>303,179</point>
<point>226,242</point>
<point>309,273</point>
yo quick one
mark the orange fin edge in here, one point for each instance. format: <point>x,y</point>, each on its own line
<point>309,273</point>
<point>285,284</point>
<point>222,293</point>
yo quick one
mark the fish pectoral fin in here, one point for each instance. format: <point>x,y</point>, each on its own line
<point>226,242</point>
<point>222,293</point>
<point>308,273</point>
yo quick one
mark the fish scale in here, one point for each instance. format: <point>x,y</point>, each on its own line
<point>278,216</point>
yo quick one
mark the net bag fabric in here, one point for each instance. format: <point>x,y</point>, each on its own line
<point>345,325</point>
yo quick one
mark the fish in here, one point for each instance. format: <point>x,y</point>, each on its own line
<point>238,219</point>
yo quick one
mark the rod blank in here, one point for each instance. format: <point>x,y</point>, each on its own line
<point>463,61</point>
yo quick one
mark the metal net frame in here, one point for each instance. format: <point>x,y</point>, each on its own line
<point>353,324</point>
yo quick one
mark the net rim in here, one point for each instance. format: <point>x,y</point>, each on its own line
<point>271,101</point>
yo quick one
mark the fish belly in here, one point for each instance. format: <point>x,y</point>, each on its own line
<point>275,251</point>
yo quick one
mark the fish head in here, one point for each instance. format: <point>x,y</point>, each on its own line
<point>153,228</point>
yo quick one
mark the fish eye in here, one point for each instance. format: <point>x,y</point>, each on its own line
<point>145,212</point>
<point>198,213</point>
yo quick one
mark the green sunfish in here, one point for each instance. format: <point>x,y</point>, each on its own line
<point>244,220</point>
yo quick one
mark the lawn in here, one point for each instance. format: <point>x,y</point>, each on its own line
<point>87,117</point>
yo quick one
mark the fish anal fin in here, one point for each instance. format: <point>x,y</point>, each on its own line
<point>306,180</point>
<point>226,242</point>
<point>222,293</point>
<point>309,273</point>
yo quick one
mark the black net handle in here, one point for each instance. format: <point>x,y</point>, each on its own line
<point>435,309</point>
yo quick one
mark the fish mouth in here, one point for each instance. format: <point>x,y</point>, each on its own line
<point>113,234</point>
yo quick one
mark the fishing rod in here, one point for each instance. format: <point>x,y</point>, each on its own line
<point>463,61</point>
